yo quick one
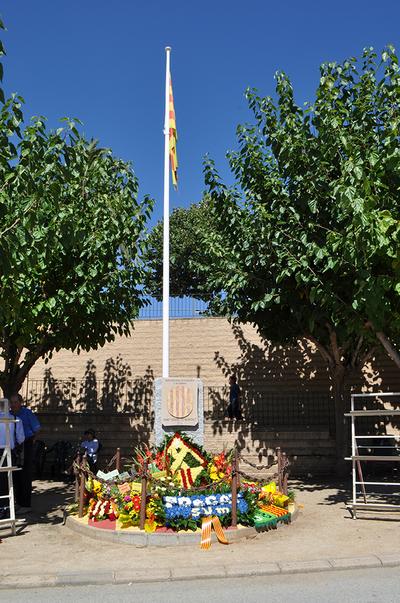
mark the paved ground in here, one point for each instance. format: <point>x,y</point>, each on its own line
<point>323,530</point>
<point>356,586</point>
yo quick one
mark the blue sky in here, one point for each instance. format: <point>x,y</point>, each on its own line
<point>103,62</point>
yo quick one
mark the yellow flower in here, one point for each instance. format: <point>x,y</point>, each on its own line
<point>96,486</point>
<point>280,500</point>
<point>89,485</point>
<point>150,525</point>
<point>215,474</point>
<point>271,488</point>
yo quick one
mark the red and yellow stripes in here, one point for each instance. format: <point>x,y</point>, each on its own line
<point>173,137</point>
<point>206,526</point>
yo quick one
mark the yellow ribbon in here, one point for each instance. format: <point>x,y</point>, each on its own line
<point>206,526</point>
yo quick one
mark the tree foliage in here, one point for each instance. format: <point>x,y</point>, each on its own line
<point>189,254</point>
<point>71,236</point>
<point>315,242</point>
<point>308,239</point>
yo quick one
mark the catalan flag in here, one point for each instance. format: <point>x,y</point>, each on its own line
<point>173,137</point>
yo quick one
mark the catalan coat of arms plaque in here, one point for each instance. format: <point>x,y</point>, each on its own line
<point>179,402</point>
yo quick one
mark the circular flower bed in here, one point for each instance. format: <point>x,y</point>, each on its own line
<point>185,486</point>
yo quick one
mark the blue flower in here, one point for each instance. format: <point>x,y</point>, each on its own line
<point>185,512</point>
<point>242,506</point>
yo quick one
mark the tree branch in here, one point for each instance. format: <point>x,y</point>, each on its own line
<point>357,351</point>
<point>392,352</point>
<point>334,344</point>
<point>368,355</point>
<point>321,349</point>
<point>388,346</point>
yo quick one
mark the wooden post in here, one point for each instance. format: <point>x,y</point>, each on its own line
<point>279,459</point>
<point>237,470</point>
<point>143,496</point>
<point>234,485</point>
<point>82,487</point>
<point>285,474</point>
<point>78,460</point>
<point>118,460</point>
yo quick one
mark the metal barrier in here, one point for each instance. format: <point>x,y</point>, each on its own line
<point>259,407</point>
<point>179,307</point>
<point>265,408</point>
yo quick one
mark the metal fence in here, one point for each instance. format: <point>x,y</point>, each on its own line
<point>260,408</point>
<point>179,307</point>
<point>115,394</point>
<point>268,409</point>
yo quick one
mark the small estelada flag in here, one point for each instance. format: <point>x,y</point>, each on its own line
<point>173,137</point>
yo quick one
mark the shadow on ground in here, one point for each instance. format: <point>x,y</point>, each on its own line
<point>340,491</point>
<point>49,502</point>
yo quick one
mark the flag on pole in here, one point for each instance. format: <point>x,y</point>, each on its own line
<point>173,137</point>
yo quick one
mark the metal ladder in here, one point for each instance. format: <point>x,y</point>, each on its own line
<point>356,457</point>
<point>6,465</point>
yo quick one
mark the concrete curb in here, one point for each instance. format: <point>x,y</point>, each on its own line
<point>130,576</point>
<point>158,539</point>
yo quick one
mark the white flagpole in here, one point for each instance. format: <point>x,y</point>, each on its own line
<point>165,353</point>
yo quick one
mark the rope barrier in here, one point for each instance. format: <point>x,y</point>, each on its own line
<point>226,479</point>
<point>89,473</point>
<point>251,477</point>
<point>258,467</point>
<point>111,461</point>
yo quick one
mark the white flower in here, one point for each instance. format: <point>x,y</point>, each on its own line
<point>197,502</point>
<point>184,501</point>
<point>211,500</point>
<point>171,499</point>
<point>225,498</point>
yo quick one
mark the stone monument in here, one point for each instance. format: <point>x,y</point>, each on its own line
<point>179,406</point>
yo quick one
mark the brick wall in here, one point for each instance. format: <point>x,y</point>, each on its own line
<point>310,450</point>
<point>110,389</point>
<point>209,348</point>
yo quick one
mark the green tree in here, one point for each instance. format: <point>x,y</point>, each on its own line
<point>189,253</point>
<point>71,237</point>
<point>308,240</point>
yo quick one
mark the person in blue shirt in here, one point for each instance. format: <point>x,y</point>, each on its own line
<point>31,425</point>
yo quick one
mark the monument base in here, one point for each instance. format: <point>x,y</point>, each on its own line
<point>165,423</point>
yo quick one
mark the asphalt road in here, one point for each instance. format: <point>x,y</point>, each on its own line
<point>351,586</point>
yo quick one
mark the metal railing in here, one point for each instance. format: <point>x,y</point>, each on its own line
<point>179,307</point>
<point>269,409</point>
<point>134,396</point>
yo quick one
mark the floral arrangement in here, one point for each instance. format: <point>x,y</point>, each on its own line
<point>186,484</point>
<point>102,509</point>
<point>202,505</point>
<point>220,466</point>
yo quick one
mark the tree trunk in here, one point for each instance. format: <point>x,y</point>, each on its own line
<point>11,385</point>
<point>338,374</point>
<point>15,373</point>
